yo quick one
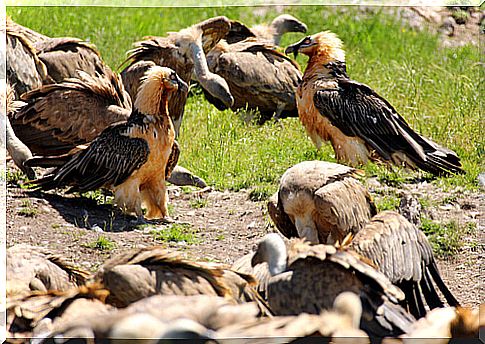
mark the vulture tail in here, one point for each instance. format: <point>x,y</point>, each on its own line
<point>433,270</point>
<point>44,183</point>
<point>40,161</point>
<point>432,298</point>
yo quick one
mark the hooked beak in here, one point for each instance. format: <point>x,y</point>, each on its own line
<point>295,48</point>
<point>257,259</point>
<point>182,85</point>
<point>301,28</point>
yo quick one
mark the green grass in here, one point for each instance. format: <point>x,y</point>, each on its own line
<point>436,90</point>
<point>27,209</point>
<point>198,202</point>
<point>446,238</point>
<point>176,233</point>
<point>102,243</point>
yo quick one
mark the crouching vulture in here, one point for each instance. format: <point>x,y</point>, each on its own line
<point>360,124</point>
<point>321,202</point>
<point>184,52</point>
<point>128,157</point>
<point>140,273</point>
<point>308,278</point>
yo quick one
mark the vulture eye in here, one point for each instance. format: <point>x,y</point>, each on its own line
<point>173,76</point>
<point>307,40</point>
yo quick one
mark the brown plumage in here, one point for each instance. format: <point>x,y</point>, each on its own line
<point>402,252</point>
<point>174,51</point>
<point>149,271</point>
<point>58,117</point>
<point>259,77</point>
<point>320,201</point>
<point>360,124</point>
<point>32,268</point>
<point>25,71</point>
<point>308,278</point>
<point>272,33</point>
<point>127,157</point>
<point>38,313</point>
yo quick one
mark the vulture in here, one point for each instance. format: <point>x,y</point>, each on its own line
<point>402,252</point>
<point>258,75</point>
<point>25,71</point>
<point>360,124</point>
<point>272,33</point>
<point>184,52</point>
<point>36,269</point>
<point>38,313</point>
<point>306,278</point>
<point>127,157</point>
<point>340,321</point>
<point>19,152</point>
<point>140,273</point>
<point>321,202</point>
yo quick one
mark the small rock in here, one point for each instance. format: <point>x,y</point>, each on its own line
<point>252,225</point>
<point>410,208</point>
<point>481,179</point>
<point>97,229</point>
<point>448,26</point>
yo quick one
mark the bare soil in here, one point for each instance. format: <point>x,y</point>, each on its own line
<point>226,226</point>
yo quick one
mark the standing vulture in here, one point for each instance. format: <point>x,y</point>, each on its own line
<point>182,51</point>
<point>402,252</point>
<point>259,77</point>
<point>360,124</point>
<point>140,273</point>
<point>271,33</point>
<point>321,202</point>
<point>307,278</point>
<point>128,157</point>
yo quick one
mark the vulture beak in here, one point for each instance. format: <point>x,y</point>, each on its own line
<point>182,85</point>
<point>257,259</point>
<point>295,48</point>
<point>301,27</point>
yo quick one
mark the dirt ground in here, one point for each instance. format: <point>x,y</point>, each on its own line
<point>226,225</point>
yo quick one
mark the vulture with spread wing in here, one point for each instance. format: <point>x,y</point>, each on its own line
<point>360,124</point>
<point>272,33</point>
<point>402,252</point>
<point>128,157</point>
<point>321,202</point>
<point>140,273</point>
<point>308,278</point>
<point>184,52</point>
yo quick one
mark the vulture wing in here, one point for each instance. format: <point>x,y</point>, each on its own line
<point>238,32</point>
<point>357,110</point>
<point>402,253</point>
<point>109,160</point>
<point>213,30</point>
<point>64,56</point>
<point>60,116</point>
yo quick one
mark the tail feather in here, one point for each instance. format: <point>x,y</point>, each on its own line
<point>44,183</point>
<point>433,270</point>
<point>430,294</point>
<point>40,161</point>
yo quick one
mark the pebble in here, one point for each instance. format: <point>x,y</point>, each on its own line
<point>97,229</point>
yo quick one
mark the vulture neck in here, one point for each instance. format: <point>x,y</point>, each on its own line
<point>152,98</point>
<point>321,65</point>
<point>276,255</point>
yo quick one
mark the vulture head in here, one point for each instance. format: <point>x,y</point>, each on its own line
<point>321,202</point>
<point>287,23</point>
<point>348,304</point>
<point>325,44</point>
<point>272,250</point>
<point>156,84</point>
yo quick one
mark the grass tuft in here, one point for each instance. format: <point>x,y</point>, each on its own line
<point>176,233</point>
<point>445,238</point>
<point>102,243</point>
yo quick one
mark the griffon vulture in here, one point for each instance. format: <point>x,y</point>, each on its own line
<point>402,252</point>
<point>321,202</point>
<point>360,124</point>
<point>32,268</point>
<point>128,157</point>
<point>259,77</point>
<point>272,33</point>
<point>182,51</point>
<point>308,278</point>
<point>140,273</point>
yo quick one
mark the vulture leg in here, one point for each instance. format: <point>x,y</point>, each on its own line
<point>433,269</point>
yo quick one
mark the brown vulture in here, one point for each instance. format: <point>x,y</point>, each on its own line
<point>258,75</point>
<point>360,124</point>
<point>139,273</point>
<point>127,157</point>
<point>182,51</point>
<point>321,202</point>
<point>302,277</point>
